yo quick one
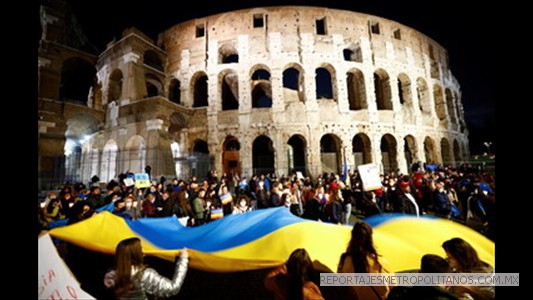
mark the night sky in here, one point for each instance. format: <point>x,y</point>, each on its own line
<point>464,31</point>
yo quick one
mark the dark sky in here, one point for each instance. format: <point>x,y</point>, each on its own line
<point>464,31</point>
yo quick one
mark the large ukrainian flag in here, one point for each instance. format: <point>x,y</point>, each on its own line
<point>265,238</point>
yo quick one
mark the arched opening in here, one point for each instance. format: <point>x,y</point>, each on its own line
<point>77,77</point>
<point>135,154</point>
<point>449,104</point>
<point>79,130</point>
<point>153,60</point>
<point>361,149</point>
<point>409,150</point>
<point>228,54</point>
<point>174,91</point>
<point>457,153</point>
<point>263,155</point>
<point>404,89</point>
<point>109,161</point>
<point>201,146</point>
<point>324,84</point>
<point>293,84</point>
<point>439,102</point>
<point>382,90</point>
<point>296,154</point>
<point>353,53</point>
<point>356,89</point>
<point>429,150</point>
<point>388,153</point>
<point>200,162</point>
<point>330,153</point>
<point>231,162</point>
<point>261,89</point>
<point>423,95</point>
<point>115,85</point>
<point>200,90</point>
<point>229,86</point>
<point>445,151</point>
<point>153,86</point>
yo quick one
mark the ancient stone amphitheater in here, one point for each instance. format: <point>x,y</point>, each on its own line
<point>273,89</point>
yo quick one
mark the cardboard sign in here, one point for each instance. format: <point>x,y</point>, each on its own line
<point>299,175</point>
<point>370,177</point>
<point>129,181</point>
<point>142,180</point>
<point>55,281</point>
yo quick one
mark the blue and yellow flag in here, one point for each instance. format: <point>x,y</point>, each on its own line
<point>265,238</point>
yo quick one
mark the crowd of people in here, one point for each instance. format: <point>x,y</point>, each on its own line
<point>462,194</point>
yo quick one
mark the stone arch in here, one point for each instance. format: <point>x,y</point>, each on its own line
<point>353,53</point>
<point>410,150</point>
<point>200,146</point>
<point>152,59</point>
<point>297,149</point>
<point>174,91</point>
<point>445,151</point>
<point>355,81</point>
<point>116,81</point>
<point>77,78</point>
<point>229,89</point>
<point>382,90</point>
<point>80,128</point>
<point>439,102</point>
<point>422,90</point>
<point>109,161</point>
<point>261,87</point>
<point>449,104</point>
<point>228,54</point>
<point>154,87</point>
<point>404,89</point>
<point>325,82</point>
<point>389,156</point>
<point>330,153</point>
<point>135,154</point>
<point>430,150</point>
<point>199,88</point>
<point>263,155</point>
<point>361,149</point>
<point>231,161</point>
<point>293,83</point>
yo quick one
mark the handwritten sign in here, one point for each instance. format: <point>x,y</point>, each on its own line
<point>142,180</point>
<point>370,176</point>
<point>54,278</point>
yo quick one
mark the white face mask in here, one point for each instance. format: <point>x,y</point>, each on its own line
<point>129,205</point>
<point>243,204</point>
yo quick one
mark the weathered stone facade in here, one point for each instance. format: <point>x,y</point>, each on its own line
<point>284,88</point>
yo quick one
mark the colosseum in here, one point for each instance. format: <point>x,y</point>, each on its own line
<point>270,89</point>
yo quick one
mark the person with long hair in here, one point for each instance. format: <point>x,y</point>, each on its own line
<point>361,257</point>
<point>292,280</point>
<point>463,258</point>
<point>132,279</point>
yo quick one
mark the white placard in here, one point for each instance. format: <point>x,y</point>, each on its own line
<point>299,175</point>
<point>129,181</point>
<point>55,281</point>
<point>370,176</point>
